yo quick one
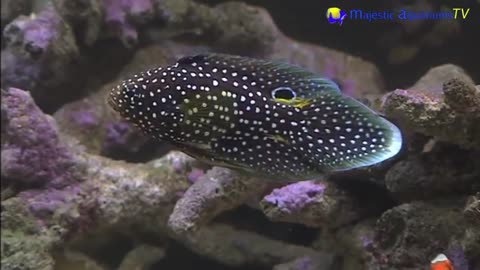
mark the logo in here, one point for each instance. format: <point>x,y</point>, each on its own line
<point>464,12</point>
<point>335,15</point>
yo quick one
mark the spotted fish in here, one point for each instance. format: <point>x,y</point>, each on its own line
<point>261,117</point>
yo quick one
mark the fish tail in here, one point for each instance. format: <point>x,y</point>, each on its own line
<point>347,134</point>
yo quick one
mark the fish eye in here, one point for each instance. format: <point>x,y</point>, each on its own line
<point>283,93</point>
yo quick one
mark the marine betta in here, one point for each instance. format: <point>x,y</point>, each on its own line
<point>261,117</point>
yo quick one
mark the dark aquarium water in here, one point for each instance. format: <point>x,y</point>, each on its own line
<point>240,135</point>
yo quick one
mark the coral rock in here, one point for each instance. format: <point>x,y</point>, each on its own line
<point>244,29</point>
<point>238,248</point>
<point>40,54</point>
<point>461,94</point>
<point>235,26</point>
<point>24,244</point>
<point>314,204</point>
<point>101,131</point>
<point>443,171</point>
<point>128,192</point>
<point>354,243</point>
<point>472,209</point>
<point>114,194</point>
<point>14,8</point>
<point>434,107</point>
<point>142,257</point>
<point>69,259</point>
<point>32,151</point>
<point>220,189</point>
<point>85,16</point>
<point>111,193</point>
<point>405,236</point>
<point>307,263</point>
<point>122,16</point>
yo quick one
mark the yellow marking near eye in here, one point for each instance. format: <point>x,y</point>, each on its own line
<point>295,102</point>
<point>278,138</point>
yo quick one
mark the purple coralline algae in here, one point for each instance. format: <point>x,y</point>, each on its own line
<point>84,118</point>
<point>61,183</point>
<point>40,54</point>
<point>294,197</point>
<point>195,174</point>
<point>313,203</point>
<point>115,134</point>
<point>98,129</point>
<point>32,151</point>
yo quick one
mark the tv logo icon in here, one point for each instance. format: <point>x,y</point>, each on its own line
<point>335,15</point>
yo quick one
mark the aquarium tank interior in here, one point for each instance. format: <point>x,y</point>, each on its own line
<point>240,135</point>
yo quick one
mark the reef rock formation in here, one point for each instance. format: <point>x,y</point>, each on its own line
<point>41,55</point>
<point>444,104</point>
<point>85,171</point>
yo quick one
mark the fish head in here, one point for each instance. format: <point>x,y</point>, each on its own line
<point>147,101</point>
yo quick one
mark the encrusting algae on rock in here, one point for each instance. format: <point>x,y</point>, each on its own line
<point>264,117</point>
<point>88,185</point>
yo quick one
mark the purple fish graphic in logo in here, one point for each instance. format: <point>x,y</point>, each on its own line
<point>335,15</point>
